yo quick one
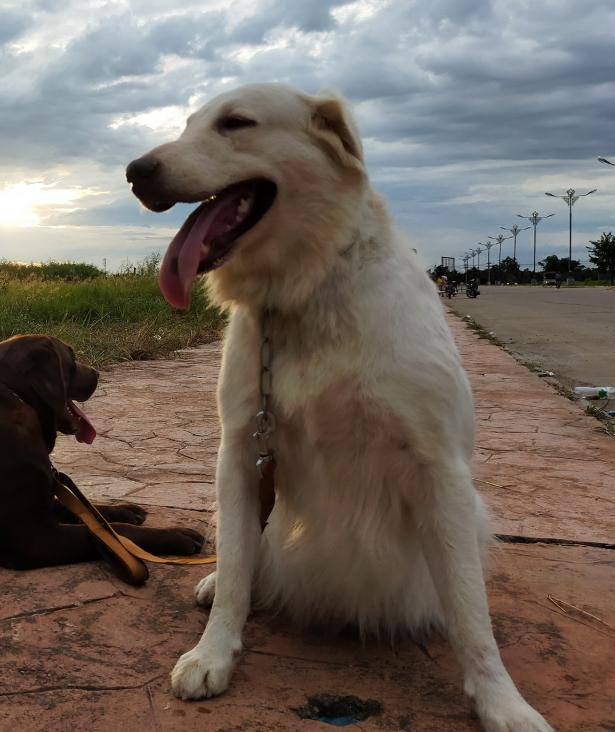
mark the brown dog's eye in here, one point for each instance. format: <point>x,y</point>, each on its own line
<point>234,122</point>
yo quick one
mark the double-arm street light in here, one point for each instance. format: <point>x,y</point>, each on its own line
<point>514,230</point>
<point>570,198</point>
<point>535,218</point>
<point>604,160</point>
<point>478,250</point>
<point>488,246</point>
<point>499,239</point>
<point>465,261</point>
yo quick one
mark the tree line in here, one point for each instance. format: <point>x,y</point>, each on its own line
<point>75,271</point>
<point>601,254</point>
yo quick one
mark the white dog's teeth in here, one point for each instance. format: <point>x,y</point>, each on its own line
<point>244,207</point>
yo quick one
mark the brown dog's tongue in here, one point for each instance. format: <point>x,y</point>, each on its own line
<point>86,432</point>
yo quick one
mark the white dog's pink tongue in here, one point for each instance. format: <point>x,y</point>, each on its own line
<point>86,431</point>
<point>180,265</point>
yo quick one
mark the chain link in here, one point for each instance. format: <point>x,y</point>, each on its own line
<point>265,420</point>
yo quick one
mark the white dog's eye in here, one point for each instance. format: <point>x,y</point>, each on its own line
<point>234,122</point>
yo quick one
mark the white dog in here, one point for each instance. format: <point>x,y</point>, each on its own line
<point>376,520</point>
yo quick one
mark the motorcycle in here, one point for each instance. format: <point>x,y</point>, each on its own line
<point>451,290</point>
<point>472,289</point>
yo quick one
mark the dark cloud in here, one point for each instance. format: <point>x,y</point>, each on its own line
<point>12,24</point>
<point>191,35</point>
<point>108,53</point>
<point>271,14</point>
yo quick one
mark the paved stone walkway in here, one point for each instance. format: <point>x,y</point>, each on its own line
<point>80,650</point>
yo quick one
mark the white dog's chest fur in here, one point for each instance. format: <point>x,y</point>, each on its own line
<point>341,544</point>
<point>336,446</point>
<point>353,429</point>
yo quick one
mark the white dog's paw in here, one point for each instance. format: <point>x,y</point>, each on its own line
<point>205,590</point>
<point>204,671</point>
<point>505,710</point>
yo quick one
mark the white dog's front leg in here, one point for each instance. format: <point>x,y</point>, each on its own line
<point>206,670</point>
<point>450,539</point>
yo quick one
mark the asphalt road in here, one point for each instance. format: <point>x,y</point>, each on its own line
<point>569,331</point>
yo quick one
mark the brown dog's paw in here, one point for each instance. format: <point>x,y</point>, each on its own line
<point>184,541</point>
<point>125,513</point>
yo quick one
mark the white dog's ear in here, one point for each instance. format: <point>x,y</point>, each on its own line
<point>335,128</point>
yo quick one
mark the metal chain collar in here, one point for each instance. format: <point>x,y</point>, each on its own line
<point>265,420</point>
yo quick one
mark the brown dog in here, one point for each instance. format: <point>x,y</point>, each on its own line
<point>39,378</point>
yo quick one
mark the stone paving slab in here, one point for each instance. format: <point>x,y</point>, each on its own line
<point>549,468</point>
<point>104,660</point>
<point>81,650</point>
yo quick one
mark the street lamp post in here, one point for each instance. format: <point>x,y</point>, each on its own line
<point>535,218</point>
<point>500,238</point>
<point>514,230</point>
<point>465,261</point>
<point>478,251</point>
<point>570,199</point>
<point>488,246</point>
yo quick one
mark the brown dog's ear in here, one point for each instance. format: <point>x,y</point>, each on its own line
<point>335,128</point>
<point>33,367</point>
<point>43,374</point>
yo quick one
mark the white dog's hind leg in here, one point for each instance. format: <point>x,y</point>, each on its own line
<point>206,670</point>
<point>449,537</point>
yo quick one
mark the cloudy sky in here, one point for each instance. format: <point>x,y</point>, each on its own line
<point>470,110</point>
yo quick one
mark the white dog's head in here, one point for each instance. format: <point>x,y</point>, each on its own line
<point>280,180</point>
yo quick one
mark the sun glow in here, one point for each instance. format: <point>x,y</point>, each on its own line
<point>28,204</point>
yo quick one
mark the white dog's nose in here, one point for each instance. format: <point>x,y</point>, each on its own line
<point>142,168</point>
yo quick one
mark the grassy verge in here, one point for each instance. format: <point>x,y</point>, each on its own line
<point>106,319</point>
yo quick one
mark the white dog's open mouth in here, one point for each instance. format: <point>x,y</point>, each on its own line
<point>209,235</point>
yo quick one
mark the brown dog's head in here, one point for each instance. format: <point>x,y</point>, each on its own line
<point>45,374</point>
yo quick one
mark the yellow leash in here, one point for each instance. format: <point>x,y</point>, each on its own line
<point>126,556</point>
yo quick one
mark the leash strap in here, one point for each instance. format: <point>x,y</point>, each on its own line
<point>126,556</point>
<point>266,491</point>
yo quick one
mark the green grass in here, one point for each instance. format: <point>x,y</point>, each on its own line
<point>106,319</point>
<point>607,424</point>
<point>52,270</point>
